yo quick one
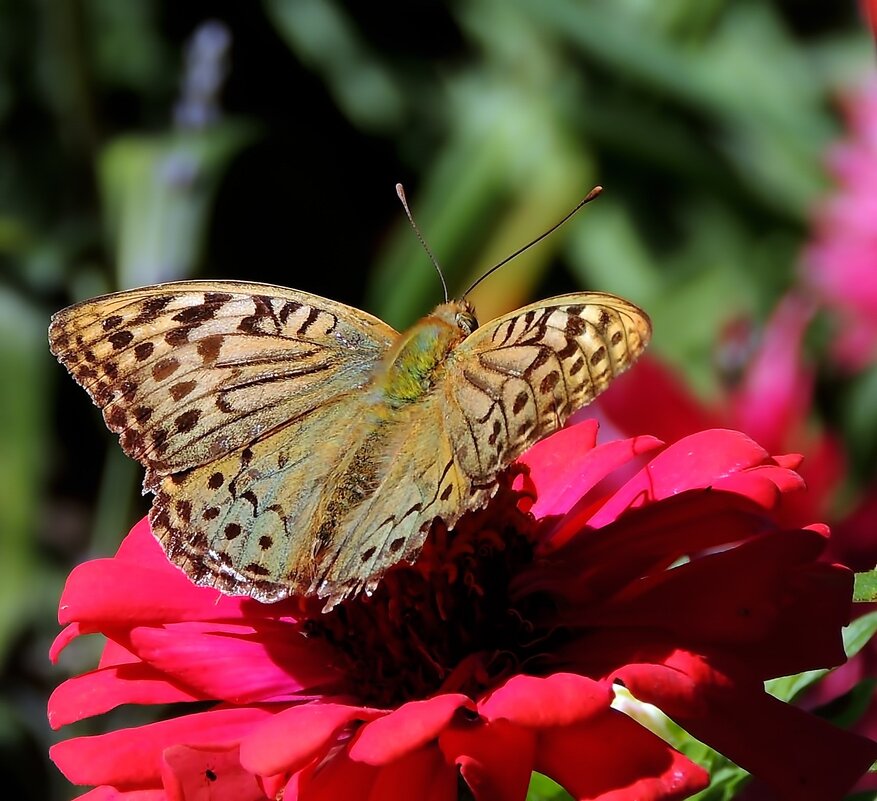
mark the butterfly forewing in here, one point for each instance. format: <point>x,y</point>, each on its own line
<point>188,372</point>
<point>520,377</point>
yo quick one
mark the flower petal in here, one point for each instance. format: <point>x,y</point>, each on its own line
<point>105,793</point>
<point>421,774</point>
<point>200,774</point>
<point>784,618</point>
<point>102,690</point>
<point>556,700</point>
<point>495,758</point>
<point>613,758</point>
<point>786,747</point>
<point>407,728</point>
<point>260,660</point>
<point>595,563</point>
<point>69,633</point>
<point>333,781</point>
<point>695,462</point>
<point>293,737</point>
<point>130,758</point>
<point>567,465</point>
<point>98,595</point>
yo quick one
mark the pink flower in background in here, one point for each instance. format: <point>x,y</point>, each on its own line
<point>497,653</point>
<point>771,403</point>
<point>840,264</point>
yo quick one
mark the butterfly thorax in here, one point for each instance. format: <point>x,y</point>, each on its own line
<point>414,361</point>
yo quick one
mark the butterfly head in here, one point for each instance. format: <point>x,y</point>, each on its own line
<point>464,316</point>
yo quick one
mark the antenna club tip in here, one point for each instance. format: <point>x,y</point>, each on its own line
<point>400,191</point>
<point>593,193</point>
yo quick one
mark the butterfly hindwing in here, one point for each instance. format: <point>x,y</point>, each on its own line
<point>248,522</point>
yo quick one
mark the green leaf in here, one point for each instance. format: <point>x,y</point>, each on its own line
<point>158,192</point>
<point>865,590</point>
<point>544,789</point>
<point>855,636</point>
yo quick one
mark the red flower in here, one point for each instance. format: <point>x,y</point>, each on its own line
<point>497,653</point>
<point>770,403</point>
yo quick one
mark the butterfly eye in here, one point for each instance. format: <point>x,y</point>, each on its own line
<point>466,322</point>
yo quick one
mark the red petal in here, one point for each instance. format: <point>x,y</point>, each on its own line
<point>99,594</point>
<point>101,690</point>
<point>198,774</point>
<point>787,748</point>
<point>130,758</point>
<point>406,729</point>
<point>566,466</point>
<point>115,654</point>
<point>67,635</point>
<point>596,563</point>
<point>495,758</point>
<point>767,602</point>
<point>338,779</point>
<point>616,759</point>
<point>293,737</point>
<point>265,660</point>
<point>556,700</point>
<point>691,463</point>
<point>112,794</point>
<point>422,774</point>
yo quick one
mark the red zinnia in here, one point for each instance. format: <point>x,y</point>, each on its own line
<point>495,654</point>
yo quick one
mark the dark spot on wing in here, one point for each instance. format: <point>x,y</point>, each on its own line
<point>187,420</point>
<point>208,348</point>
<point>143,351</point>
<point>549,382</point>
<point>182,388</point>
<point>121,339</point>
<point>520,402</point>
<point>165,368</point>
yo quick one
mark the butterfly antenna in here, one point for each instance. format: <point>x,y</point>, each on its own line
<point>586,199</point>
<point>400,190</point>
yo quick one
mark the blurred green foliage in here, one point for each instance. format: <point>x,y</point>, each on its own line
<point>705,120</point>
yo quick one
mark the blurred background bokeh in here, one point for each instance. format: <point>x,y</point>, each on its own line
<point>157,140</point>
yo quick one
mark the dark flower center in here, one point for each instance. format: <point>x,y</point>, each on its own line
<point>447,621</point>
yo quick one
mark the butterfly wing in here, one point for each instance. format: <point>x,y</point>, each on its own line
<point>519,378</point>
<point>511,382</point>
<point>212,384</point>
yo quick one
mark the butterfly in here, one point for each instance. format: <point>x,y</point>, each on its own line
<point>299,446</point>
